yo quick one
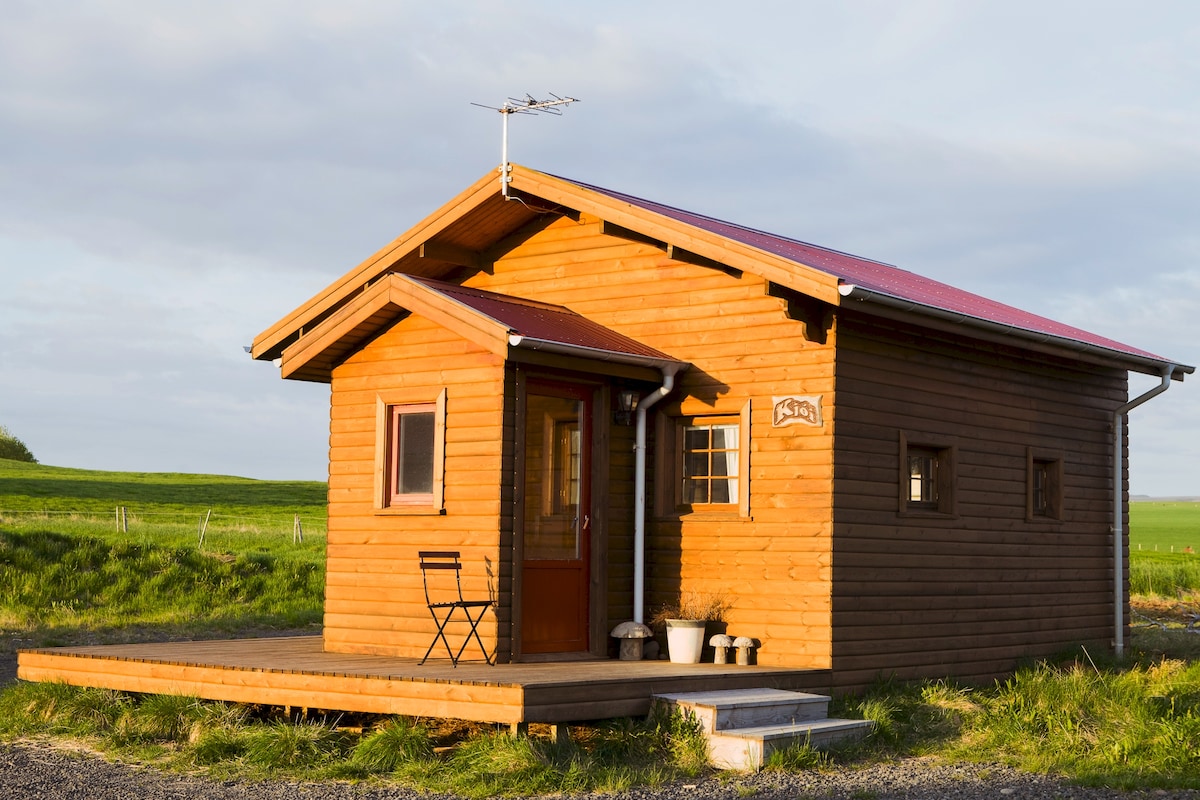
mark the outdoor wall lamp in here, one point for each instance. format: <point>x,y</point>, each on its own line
<point>627,400</point>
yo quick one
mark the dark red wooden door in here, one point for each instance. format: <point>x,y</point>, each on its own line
<point>554,574</point>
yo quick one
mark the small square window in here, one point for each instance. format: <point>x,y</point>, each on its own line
<point>409,448</point>
<point>927,479</point>
<point>710,463</point>
<point>703,462</point>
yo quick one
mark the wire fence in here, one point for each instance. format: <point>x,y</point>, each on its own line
<point>122,518</point>
<point>1166,548</point>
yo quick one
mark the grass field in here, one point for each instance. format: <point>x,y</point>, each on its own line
<point>161,508</point>
<point>1164,527</point>
<point>68,575</point>
<point>1164,540</point>
<point>73,570</point>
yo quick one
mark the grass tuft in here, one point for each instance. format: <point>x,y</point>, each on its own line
<point>686,743</point>
<point>396,743</point>
<point>798,758</point>
<point>287,747</point>
<point>215,745</point>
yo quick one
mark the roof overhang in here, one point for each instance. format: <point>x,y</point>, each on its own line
<point>460,237</point>
<point>471,231</point>
<point>499,324</point>
<point>889,305</point>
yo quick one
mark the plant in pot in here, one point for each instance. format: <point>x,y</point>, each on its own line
<point>685,622</point>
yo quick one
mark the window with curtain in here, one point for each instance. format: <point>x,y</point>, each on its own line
<point>927,477</point>
<point>711,462</point>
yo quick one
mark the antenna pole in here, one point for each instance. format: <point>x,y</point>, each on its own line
<point>529,105</point>
<point>505,167</point>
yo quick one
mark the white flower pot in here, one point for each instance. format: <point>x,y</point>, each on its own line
<point>685,640</point>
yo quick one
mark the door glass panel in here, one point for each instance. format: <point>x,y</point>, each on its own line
<point>553,471</point>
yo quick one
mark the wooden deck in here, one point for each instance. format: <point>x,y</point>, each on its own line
<point>296,672</point>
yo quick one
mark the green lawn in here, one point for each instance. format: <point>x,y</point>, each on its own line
<point>1164,527</point>
<point>68,575</point>
<point>161,508</point>
<point>72,569</point>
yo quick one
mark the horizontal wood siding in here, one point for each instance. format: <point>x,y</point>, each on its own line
<point>773,566</point>
<point>967,594</point>
<point>374,599</point>
<point>619,521</point>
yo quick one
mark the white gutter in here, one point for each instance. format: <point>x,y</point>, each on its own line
<point>594,353</point>
<point>1118,525</point>
<point>639,490</point>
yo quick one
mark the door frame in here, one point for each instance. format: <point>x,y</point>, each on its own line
<point>597,466</point>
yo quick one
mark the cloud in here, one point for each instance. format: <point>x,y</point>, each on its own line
<point>175,178</point>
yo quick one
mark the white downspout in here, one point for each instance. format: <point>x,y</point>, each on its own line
<point>1118,525</point>
<point>639,493</point>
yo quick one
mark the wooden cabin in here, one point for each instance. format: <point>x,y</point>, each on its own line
<point>881,474</point>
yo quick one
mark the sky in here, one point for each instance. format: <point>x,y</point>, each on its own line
<point>176,177</point>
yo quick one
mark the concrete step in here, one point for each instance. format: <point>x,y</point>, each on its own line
<point>744,726</point>
<point>749,748</point>
<point>744,708</point>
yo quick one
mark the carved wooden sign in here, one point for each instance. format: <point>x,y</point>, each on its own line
<point>795,409</point>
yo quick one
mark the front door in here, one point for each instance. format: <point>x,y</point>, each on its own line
<point>554,567</point>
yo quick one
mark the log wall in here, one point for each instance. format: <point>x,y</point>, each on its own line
<point>773,565</point>
<point>374,600</point>
<point>968,593</point>
<point>819,563</point>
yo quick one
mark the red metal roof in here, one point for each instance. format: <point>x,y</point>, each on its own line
<point>545,322</point>
<point>881,278</point>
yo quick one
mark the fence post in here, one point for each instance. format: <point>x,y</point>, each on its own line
<point>203,528</point>
<point>124,520</point>
<point>297,530</point>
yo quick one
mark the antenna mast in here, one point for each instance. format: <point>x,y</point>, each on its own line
<point>529,105</point>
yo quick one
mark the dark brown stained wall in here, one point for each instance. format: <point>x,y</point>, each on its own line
<point>966,594</point>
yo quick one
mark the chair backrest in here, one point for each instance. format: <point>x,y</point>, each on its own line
<point>440,560</point>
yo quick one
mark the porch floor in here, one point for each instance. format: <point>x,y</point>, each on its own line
<point>295,671</point>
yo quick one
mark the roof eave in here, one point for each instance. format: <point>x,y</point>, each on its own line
<point>397,294</point>
<point>271,343</point>
<point>1146,364</point>
<point>794,274</point>
<point>664,365</point>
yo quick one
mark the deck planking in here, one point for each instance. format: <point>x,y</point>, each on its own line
<point>296,671</point>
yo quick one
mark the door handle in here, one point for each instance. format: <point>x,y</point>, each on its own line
<point>586,521</point>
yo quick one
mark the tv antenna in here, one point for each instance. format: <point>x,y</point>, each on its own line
<point>528,105</point>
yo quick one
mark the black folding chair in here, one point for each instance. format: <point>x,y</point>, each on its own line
<point>443,610</point>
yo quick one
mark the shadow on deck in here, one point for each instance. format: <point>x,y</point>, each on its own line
<point>295,671</point>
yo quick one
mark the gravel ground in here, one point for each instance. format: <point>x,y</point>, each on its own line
<point>44,771</point>
<point>47,772</point>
